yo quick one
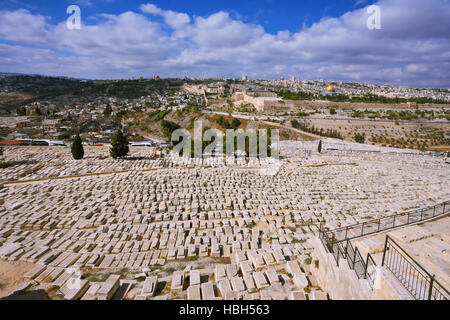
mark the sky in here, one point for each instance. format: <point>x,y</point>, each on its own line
<point>265,39</point>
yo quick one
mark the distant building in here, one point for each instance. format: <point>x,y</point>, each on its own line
<point>244,78</point>
<point>261,100</point>
<point>142,144</point>
<point>331,91</point>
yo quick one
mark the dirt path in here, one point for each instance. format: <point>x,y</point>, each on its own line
<point>305,135</point>
<point>11,275</point>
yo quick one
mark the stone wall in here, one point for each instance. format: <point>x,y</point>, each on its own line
<point>351,105</point>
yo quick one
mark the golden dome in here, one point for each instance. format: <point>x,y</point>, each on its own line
<point>330,88</point>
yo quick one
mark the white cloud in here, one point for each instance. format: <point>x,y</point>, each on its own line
<point>220,31</point>
<point>23,26</point>
<point>412,48</point>
<point>174,19</point>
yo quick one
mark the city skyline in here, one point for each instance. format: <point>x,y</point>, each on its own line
<point>120,41</point>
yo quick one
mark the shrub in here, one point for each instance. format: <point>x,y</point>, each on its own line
<point>221,121</point>
<point>169,127</point>
<point>162,115</point>
<point>7,164</point>
<point>360,138</point>
<point>235,123</point>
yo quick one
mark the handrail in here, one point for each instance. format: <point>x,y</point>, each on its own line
<point>333,246</point>
<point>445,205</point>
<point>352,255</point>
<point>398,215</point>
<point>388,238</point>
<point>409,278</point>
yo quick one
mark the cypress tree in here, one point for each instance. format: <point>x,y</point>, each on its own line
<point>319,148</point>
<point>119,144</point>
<point>77,148</point>
<point>108,111</point>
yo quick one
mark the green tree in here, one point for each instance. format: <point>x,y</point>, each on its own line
<point>223,122</point>
<point>108,111</point>
<point>77,148</point>
<point>168,128</point>
<point>319,148</point>
<point>21,111</point>
<point>119,143</point>
<point>235,123</point>
<point>64,136</point>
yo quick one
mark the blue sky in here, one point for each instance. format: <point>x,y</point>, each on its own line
<point>274,15</point>
<point>263,39</point>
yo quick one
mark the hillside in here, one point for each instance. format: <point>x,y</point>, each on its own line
<point>150,125</point>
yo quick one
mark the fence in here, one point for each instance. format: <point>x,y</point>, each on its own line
<point>391,222</point>
<point>421,284</point>
<point>337,241</point>
<point>365,269</point>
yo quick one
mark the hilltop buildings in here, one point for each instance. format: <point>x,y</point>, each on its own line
<point>261,100</point>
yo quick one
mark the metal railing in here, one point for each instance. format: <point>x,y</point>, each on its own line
<point>379,225</point>
<point>337,242</point>
<point>420,283</point>
<point>364,268</point>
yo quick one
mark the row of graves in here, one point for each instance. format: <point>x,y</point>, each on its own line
<point>240,232</point>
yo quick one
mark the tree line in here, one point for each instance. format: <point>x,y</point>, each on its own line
<point>119,146</point>
<point>369,98</point>
<point>330,133</point>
